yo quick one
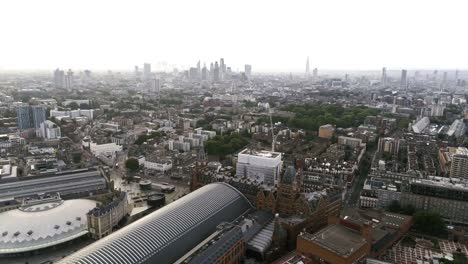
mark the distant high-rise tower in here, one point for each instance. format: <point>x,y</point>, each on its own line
<point>216,72</point>
<point>204,73</point>
<point>38,114</point>
<point>193,74</point>
<point>315,74</point>
<point>307,72</point>
<point>384,77</point>
<point>211,71</point>
<point>69,80</point>
<point>59,78</point>
<point>198,70</point>
<point>147,71</point>
<point>417,75</point>
<point>248,70</point>
<point>403,81</point>
<point>222,68</point>
<point>456,76</point>
<point>156,88</point>
<point>23,115</point>
<point>443,86</point>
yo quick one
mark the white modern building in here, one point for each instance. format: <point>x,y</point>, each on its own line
<point>49,130</point>
<point>161,165</point>
<point>259,165</point>
<point>89,113</point>
<point>101,149</point>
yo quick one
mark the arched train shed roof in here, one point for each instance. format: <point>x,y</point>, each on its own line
<point>170,232</point>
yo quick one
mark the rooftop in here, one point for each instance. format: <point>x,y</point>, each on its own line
<point>260,153</point>
<point>338,239</point>
<point>41,225</point>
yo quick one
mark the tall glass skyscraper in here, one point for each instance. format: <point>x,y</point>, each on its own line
<point>30,116</point>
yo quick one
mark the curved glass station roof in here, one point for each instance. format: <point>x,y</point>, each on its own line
<point>43,225</point>
<point>167,234</point>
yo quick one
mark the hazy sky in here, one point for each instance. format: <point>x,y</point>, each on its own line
<point>270,35</point>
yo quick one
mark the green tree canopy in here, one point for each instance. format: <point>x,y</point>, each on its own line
<point>429,223</point>
<point>132,164</point>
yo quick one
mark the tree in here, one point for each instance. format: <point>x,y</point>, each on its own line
<point>394,207</point>
<point>387,156</point>
<point>429,223</point>
<point>73,105</point>
<point>132,164</point>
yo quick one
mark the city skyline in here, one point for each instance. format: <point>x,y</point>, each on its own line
<point>279,40</point>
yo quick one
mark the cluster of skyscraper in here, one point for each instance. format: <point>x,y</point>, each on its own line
<point>153,83</point>
<point>217,72</point>
<point>314,72</point>
<point>417,76</point>
<point>62,80</point>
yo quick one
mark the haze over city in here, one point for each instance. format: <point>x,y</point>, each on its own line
<point>233,132</point>
<point>275,36</point>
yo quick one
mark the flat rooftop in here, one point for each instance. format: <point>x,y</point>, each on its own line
<point>338,239</point>
<point>260,153</point>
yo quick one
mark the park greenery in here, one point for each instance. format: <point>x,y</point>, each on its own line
<point>311,117</point>
<point>429,223</point>
<point>395,207</point>
<point>223,145</point>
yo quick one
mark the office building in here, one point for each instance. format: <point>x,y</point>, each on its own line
<point>216,74</point>
<point>307,71</point>
<point>59,78</point>
<point>222,69</point>
<point>447,197</point>
<point>403,80</point>
<point>259,165</point>
<point>315,74</point>
<point>383,80</point>
<point>146,71</point>
<point>443,86</point>
<point>23,113</point>
<point>156,88</point>
<point>204,73</point>
<point>69,80</point>
<point>38,115</point>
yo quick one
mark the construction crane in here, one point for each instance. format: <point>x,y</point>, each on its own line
<point>273,136</point>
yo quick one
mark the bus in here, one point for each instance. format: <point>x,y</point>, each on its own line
<point>163,187</point>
